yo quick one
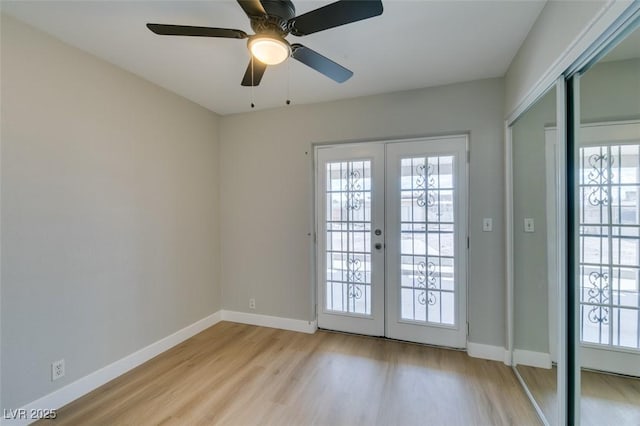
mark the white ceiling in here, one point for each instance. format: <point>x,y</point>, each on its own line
<point>413,44</point>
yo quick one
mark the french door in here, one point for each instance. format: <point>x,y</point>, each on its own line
<point>350,254</point>
<point>391,239</point>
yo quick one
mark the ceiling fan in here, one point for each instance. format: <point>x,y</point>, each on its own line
<point>272,21</point>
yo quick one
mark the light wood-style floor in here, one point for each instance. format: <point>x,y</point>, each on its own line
<point>606,399</point>
<point>234,374</point>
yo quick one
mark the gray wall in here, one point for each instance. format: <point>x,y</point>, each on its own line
<point>611,91</point>
<point>109,213</point>
<point>266,183</point>
<point>530,249</point>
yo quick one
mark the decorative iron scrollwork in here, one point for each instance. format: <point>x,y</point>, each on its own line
<point>354,275</point>
<point>598,314</point>
<point>424,182</point>
<point>354,188</point>
<point>599,175</point>
<point>427,297</point>
<point>354,291</point>
<point>426,277</point>
<point>598,293</point>
<point>426,274</point>
<point>353,270</point>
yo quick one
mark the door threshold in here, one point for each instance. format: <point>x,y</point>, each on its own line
<point>394,340</point>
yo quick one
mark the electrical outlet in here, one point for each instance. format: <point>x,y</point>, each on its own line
<point>57,370</point>
<point>252,303</point>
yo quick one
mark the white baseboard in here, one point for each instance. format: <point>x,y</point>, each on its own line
<point>612,361</point>
<point>301,326</point>
<point>490,352</point>
<point>531,358</point>
<point>80,387</point>
<point>508,357</point>
<point>498,353</point>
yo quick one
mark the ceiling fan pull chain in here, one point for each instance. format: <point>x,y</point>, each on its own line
<point>253,105</point>
<point>288,82</point>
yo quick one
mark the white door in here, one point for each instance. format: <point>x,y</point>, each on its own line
<point>427,241</point>
<point>350,212</point>
<point>414,288</point>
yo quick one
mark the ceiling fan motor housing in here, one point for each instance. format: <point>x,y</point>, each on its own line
<point>276,20</point>
<point>270,24</point>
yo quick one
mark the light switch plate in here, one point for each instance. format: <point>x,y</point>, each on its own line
<point>487,224</point>
<point>528,224</point>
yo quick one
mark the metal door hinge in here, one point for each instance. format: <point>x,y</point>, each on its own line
<point>468,242</point>
<point>467,328</point>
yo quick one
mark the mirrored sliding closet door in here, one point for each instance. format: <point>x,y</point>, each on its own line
<point>606,256</point>
<point>534,253</point>
<point>573,179</point>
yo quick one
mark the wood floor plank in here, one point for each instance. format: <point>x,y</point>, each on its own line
<point>234,374</point>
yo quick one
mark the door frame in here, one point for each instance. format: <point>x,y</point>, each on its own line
<point>315,218</point>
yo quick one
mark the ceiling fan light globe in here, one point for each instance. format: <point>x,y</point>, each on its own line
<point>269,50</point>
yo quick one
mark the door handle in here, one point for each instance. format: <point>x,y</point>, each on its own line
<point>378,246</point>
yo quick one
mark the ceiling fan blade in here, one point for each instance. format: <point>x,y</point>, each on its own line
<point>320,63</point>
<point>252,7</point>
<point>335,14</point>
<point>258,71</point>
<point>185,30</point>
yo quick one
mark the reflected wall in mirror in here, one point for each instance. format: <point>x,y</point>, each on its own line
<point>608,202</point>
<point>535,302</point>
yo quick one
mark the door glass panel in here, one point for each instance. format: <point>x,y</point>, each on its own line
<point>348,237</point>
<point>427,277</point>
